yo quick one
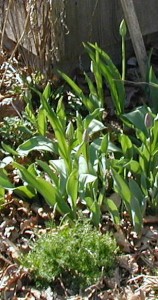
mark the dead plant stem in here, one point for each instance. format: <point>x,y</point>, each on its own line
<point>5,22</point>
<point>17,45</point>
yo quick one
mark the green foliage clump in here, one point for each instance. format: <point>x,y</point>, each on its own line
<point>14,130</point>
<point>80,255</point>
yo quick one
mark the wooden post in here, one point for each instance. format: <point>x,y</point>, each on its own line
<point>136,36</point>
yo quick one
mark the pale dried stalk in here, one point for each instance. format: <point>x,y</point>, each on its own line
<point>15,49</point>
<point>5,22</point>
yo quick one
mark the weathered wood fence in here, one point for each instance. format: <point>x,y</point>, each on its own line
<point>98,21</point>
<point>77,21</point>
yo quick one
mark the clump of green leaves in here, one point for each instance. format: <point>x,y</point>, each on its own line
<point>79,255</point>
<point>134,174</point>
<point>104,71</point>
<point>14,130</point>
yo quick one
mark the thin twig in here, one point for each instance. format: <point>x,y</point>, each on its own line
<point>16,47</point>
<point>14,107</point>
<point>5,22</point>
<point>138,83</point>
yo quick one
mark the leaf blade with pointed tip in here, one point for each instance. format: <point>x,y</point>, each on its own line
<point>72,186</point>
<point>4,181</point>
<point>39,143</point>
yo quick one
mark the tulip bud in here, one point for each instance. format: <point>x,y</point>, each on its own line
<point>148,121</point>
<point>70,131</point>
<point>123,28</point>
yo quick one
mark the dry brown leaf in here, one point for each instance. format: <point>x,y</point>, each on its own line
<point>128,263</point>
<point>122,241</point>
<point>138,295</point>
<point>28,224</point>
<point>105,296</point>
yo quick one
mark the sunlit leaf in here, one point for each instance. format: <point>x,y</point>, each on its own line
<point>105,144</point>
<point>122,189</point>
<point>49,192</point>
<point>137,216</point>
<point>127,146</point>
<point>48,171</point>
<point>95,126</point>
<point>25,192</point>
<point>136,118</point>
<point>110,72</point>
<point>59,166</point>
<point>41,121</point>
<point>138,194</point>
<point>47,91</point>
<point>74,86</point>
<point>9,149</point>
<point>63,146</point>
<point>6,161</point>
<point>39,143</point>
<point>72,186</point>
<point>113,211</point>
<point>94,209</point>
<point>91,86</point>
<point>133,166</point>
<point>92,116</point>
<point>2,195</point>
<point>60,111</point>
<point>4,181</point>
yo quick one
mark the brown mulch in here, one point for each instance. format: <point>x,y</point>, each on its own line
<point>20,223</point>
<point>134,278</point>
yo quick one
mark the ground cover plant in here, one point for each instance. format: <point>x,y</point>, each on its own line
<point>77,254</point>
<point>73,163</point>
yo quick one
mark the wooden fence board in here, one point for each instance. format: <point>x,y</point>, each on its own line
<point>97,21</point>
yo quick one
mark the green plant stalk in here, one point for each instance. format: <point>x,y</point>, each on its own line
<point>150,156</point>
<point>123,32</point>
<point>123,59</point>
<point>2,196</point>
<point>112,76</point>
<point>85,149</point>
<point>98,78</point>
<point>64,148</point>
